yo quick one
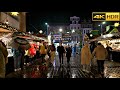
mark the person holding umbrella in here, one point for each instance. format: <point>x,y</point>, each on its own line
<point>19,46</point>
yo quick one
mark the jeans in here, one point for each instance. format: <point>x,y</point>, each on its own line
<point>61,58</point>
<point>43,57</point>
<point>68,59</point>
<point>17,62</point>
<point>100,66</point>
<point>74,54</point>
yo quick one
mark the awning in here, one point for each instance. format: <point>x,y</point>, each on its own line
<point>107,37</point>
<point>4,30</point>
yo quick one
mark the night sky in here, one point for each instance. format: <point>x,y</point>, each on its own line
<point>61,14</point>
<point>38,19</point>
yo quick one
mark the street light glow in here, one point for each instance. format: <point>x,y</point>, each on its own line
<point>99,25</point>
<point>103,22</point>
<point>73,31</point>
<point>40,31</point>
<point>46,23</point>
<point>91,35</point>
<point>60,30</point>
<point>47,27</point>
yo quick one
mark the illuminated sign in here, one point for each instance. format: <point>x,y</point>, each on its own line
<point>106,16</point>
<point>66,38</point>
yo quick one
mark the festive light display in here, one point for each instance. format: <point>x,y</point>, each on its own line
<point>14,13</point>
<point>7,26</point>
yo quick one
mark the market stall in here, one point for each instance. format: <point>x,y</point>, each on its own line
<point>112,67</point>
<point>6,37</point>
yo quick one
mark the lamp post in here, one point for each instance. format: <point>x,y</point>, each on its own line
<point>101,26</point>
<point>47,27</point>
<point>60,30</point>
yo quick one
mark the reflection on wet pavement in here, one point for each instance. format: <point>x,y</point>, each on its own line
<point>71,70</point>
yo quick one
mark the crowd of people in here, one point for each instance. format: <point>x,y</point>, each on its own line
<point>40,51</point>
<point>47,52</point>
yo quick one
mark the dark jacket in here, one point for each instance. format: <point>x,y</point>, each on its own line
<point>68,52</point>
<point>52,48</point>
<point>109,49</point>
<point>60,49</point>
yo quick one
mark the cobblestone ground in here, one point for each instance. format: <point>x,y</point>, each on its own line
<point>112,69</point>
<point>73,70</point>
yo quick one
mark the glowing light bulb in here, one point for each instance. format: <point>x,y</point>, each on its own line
<point>14,13</point>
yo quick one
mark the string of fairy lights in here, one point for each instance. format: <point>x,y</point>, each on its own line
<point>6,25</point>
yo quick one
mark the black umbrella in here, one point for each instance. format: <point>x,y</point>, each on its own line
<point>20,42</point>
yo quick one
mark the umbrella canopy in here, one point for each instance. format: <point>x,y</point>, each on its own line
<point>20,42</point>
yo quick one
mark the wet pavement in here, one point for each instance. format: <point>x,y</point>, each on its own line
<point>112,69</point>
<point>71,70</point>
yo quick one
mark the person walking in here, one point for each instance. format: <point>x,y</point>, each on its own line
<point>92,46</point>
<point>109,50</point>
<point>52,53</point>
<point>17,59</point>
<point>86,57</point>
<point>3,59</point>
<point>74,50</point>
<point>101,54</point>
<point>68,53</point>
<point>43,51</point>
<point>61,51</point>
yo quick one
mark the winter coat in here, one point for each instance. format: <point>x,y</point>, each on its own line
<point>60,49</point>
<point>86,55</point>
<point>43,49</point>
<point>100,52</point>
<point>3,60</point>
<point>68,52</point>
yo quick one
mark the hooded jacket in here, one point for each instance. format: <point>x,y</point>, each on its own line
<point>86,55</point>
<point>100,52</point>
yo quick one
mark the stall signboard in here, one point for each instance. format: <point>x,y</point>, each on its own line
<point>66,38</point>
<point>57,38</point>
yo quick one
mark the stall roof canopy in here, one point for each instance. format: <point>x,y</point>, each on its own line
<point>4,30</point>
<point>115,30</point>
<point>110,36</point>
<point>29,36</point>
